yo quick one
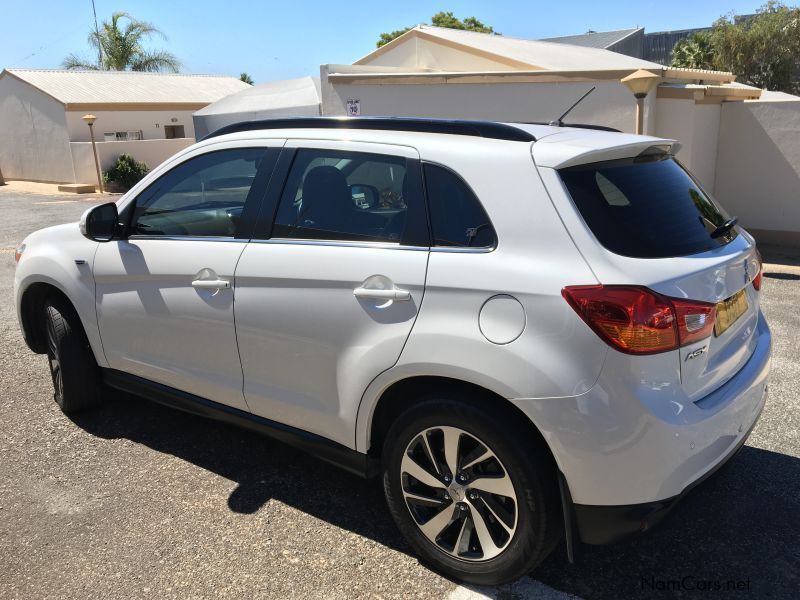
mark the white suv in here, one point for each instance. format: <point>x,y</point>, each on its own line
<point>533,333</point>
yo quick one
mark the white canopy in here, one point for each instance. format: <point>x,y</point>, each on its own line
<point>288,98</point>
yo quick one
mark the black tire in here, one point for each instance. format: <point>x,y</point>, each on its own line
<point>76,376</point>
<point>526,463</point>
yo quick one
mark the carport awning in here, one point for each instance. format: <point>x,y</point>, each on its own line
<point>290,98</point>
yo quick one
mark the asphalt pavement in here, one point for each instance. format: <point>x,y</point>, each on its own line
<point>138,501</point>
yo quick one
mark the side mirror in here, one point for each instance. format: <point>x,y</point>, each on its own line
<point>364,196</point>
<point>100,223</point>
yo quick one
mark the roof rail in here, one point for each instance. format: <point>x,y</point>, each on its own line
<point>581,126</point>
<point>485,129</point>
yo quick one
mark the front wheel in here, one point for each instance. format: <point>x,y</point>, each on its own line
<point>76,377</point>
<point>471,490</point>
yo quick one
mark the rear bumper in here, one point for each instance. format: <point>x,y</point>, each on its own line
<point>611,524</point>
<point>634,442</point>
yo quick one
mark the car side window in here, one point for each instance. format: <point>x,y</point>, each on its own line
<point>344,196</point>
<point>203,197</point>
<point>456,215</point>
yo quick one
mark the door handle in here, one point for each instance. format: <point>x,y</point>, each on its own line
<point>376,294</point>
<point>211,284</point>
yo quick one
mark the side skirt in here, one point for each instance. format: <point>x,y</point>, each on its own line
<point>316,445</point>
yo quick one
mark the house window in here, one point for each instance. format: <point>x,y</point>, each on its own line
<point>122,136</point>
<point>174,131</point>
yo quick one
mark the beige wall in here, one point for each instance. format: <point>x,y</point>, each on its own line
<point>33,135</point>
<point>610,104</point>
<point>758,166</point>
<point>151,152</point>
<point>419,53</point>
<point>696,127</point>
<point>150,122</point>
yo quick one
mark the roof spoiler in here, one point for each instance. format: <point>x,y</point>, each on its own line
<point>579,150</point>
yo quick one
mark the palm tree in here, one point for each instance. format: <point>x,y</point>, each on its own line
<point>121,49</point>
<point>694,52</point>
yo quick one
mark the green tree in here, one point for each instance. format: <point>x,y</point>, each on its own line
<point>121,48</point>
<point>246,78</point>
<point>763,50</point>
<point>442,19</point>
<point>694,52</point>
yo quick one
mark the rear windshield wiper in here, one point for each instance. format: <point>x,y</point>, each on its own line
<point>725,227</point>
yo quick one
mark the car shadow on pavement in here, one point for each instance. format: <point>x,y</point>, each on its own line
<point>740,526</point>
<point>263,469</point>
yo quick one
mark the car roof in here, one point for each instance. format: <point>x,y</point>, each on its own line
<point>552,146</point>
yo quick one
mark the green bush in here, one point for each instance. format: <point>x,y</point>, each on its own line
<point>126,172</point>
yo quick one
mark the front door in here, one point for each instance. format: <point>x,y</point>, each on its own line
<point>165,294</point>
<point>326,299</point>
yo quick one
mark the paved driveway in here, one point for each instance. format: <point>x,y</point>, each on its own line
<point>139,501</point>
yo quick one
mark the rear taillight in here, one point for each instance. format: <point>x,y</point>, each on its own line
<point>757,278</point>
<point>18,252</point>
<point>636,320</point>
<point>695,319</point>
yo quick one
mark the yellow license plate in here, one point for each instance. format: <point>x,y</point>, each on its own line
<point>728,311</point>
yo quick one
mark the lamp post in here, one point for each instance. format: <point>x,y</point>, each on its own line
<point>90,119</point>
<point>640,83</point>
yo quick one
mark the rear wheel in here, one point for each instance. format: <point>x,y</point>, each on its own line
<point>471,490</point>
<point>76,377</point>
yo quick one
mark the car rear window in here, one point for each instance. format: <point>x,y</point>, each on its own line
<point>646,207</point>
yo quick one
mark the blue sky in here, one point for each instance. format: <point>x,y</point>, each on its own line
<point>279,40</point>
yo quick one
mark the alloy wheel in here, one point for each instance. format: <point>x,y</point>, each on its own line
<point>459,493</point>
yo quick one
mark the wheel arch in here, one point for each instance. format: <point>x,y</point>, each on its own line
<point>407,392</point>
<point>31,313</point>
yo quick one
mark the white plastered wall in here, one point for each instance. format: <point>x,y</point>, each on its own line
<point>758,167</point>
<point>611,104</point>
<point>150,152</point>
<point>150,122</point>
<point>696,127</point>
<point>34,143</point>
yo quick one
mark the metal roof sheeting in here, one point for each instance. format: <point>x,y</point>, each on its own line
<point>277,99</point>
<point>594,39</point>
<point>128,87</point>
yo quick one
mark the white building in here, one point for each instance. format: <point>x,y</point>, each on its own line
<point>147,115</point>
<point>743,146</point>
<point>289,98</point>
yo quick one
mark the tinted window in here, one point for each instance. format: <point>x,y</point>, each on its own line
<point>647,207</point>
<point>457,217</point>
<point>351,196</point>
<point>202,197</point>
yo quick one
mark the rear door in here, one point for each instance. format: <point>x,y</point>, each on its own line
<point>327,295</point>
<point>654,225</point>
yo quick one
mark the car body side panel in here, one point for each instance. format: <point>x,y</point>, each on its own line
<point>50,257</point>
<point>156,325</point>
<point>555,353</point>
<point>308,346</point>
